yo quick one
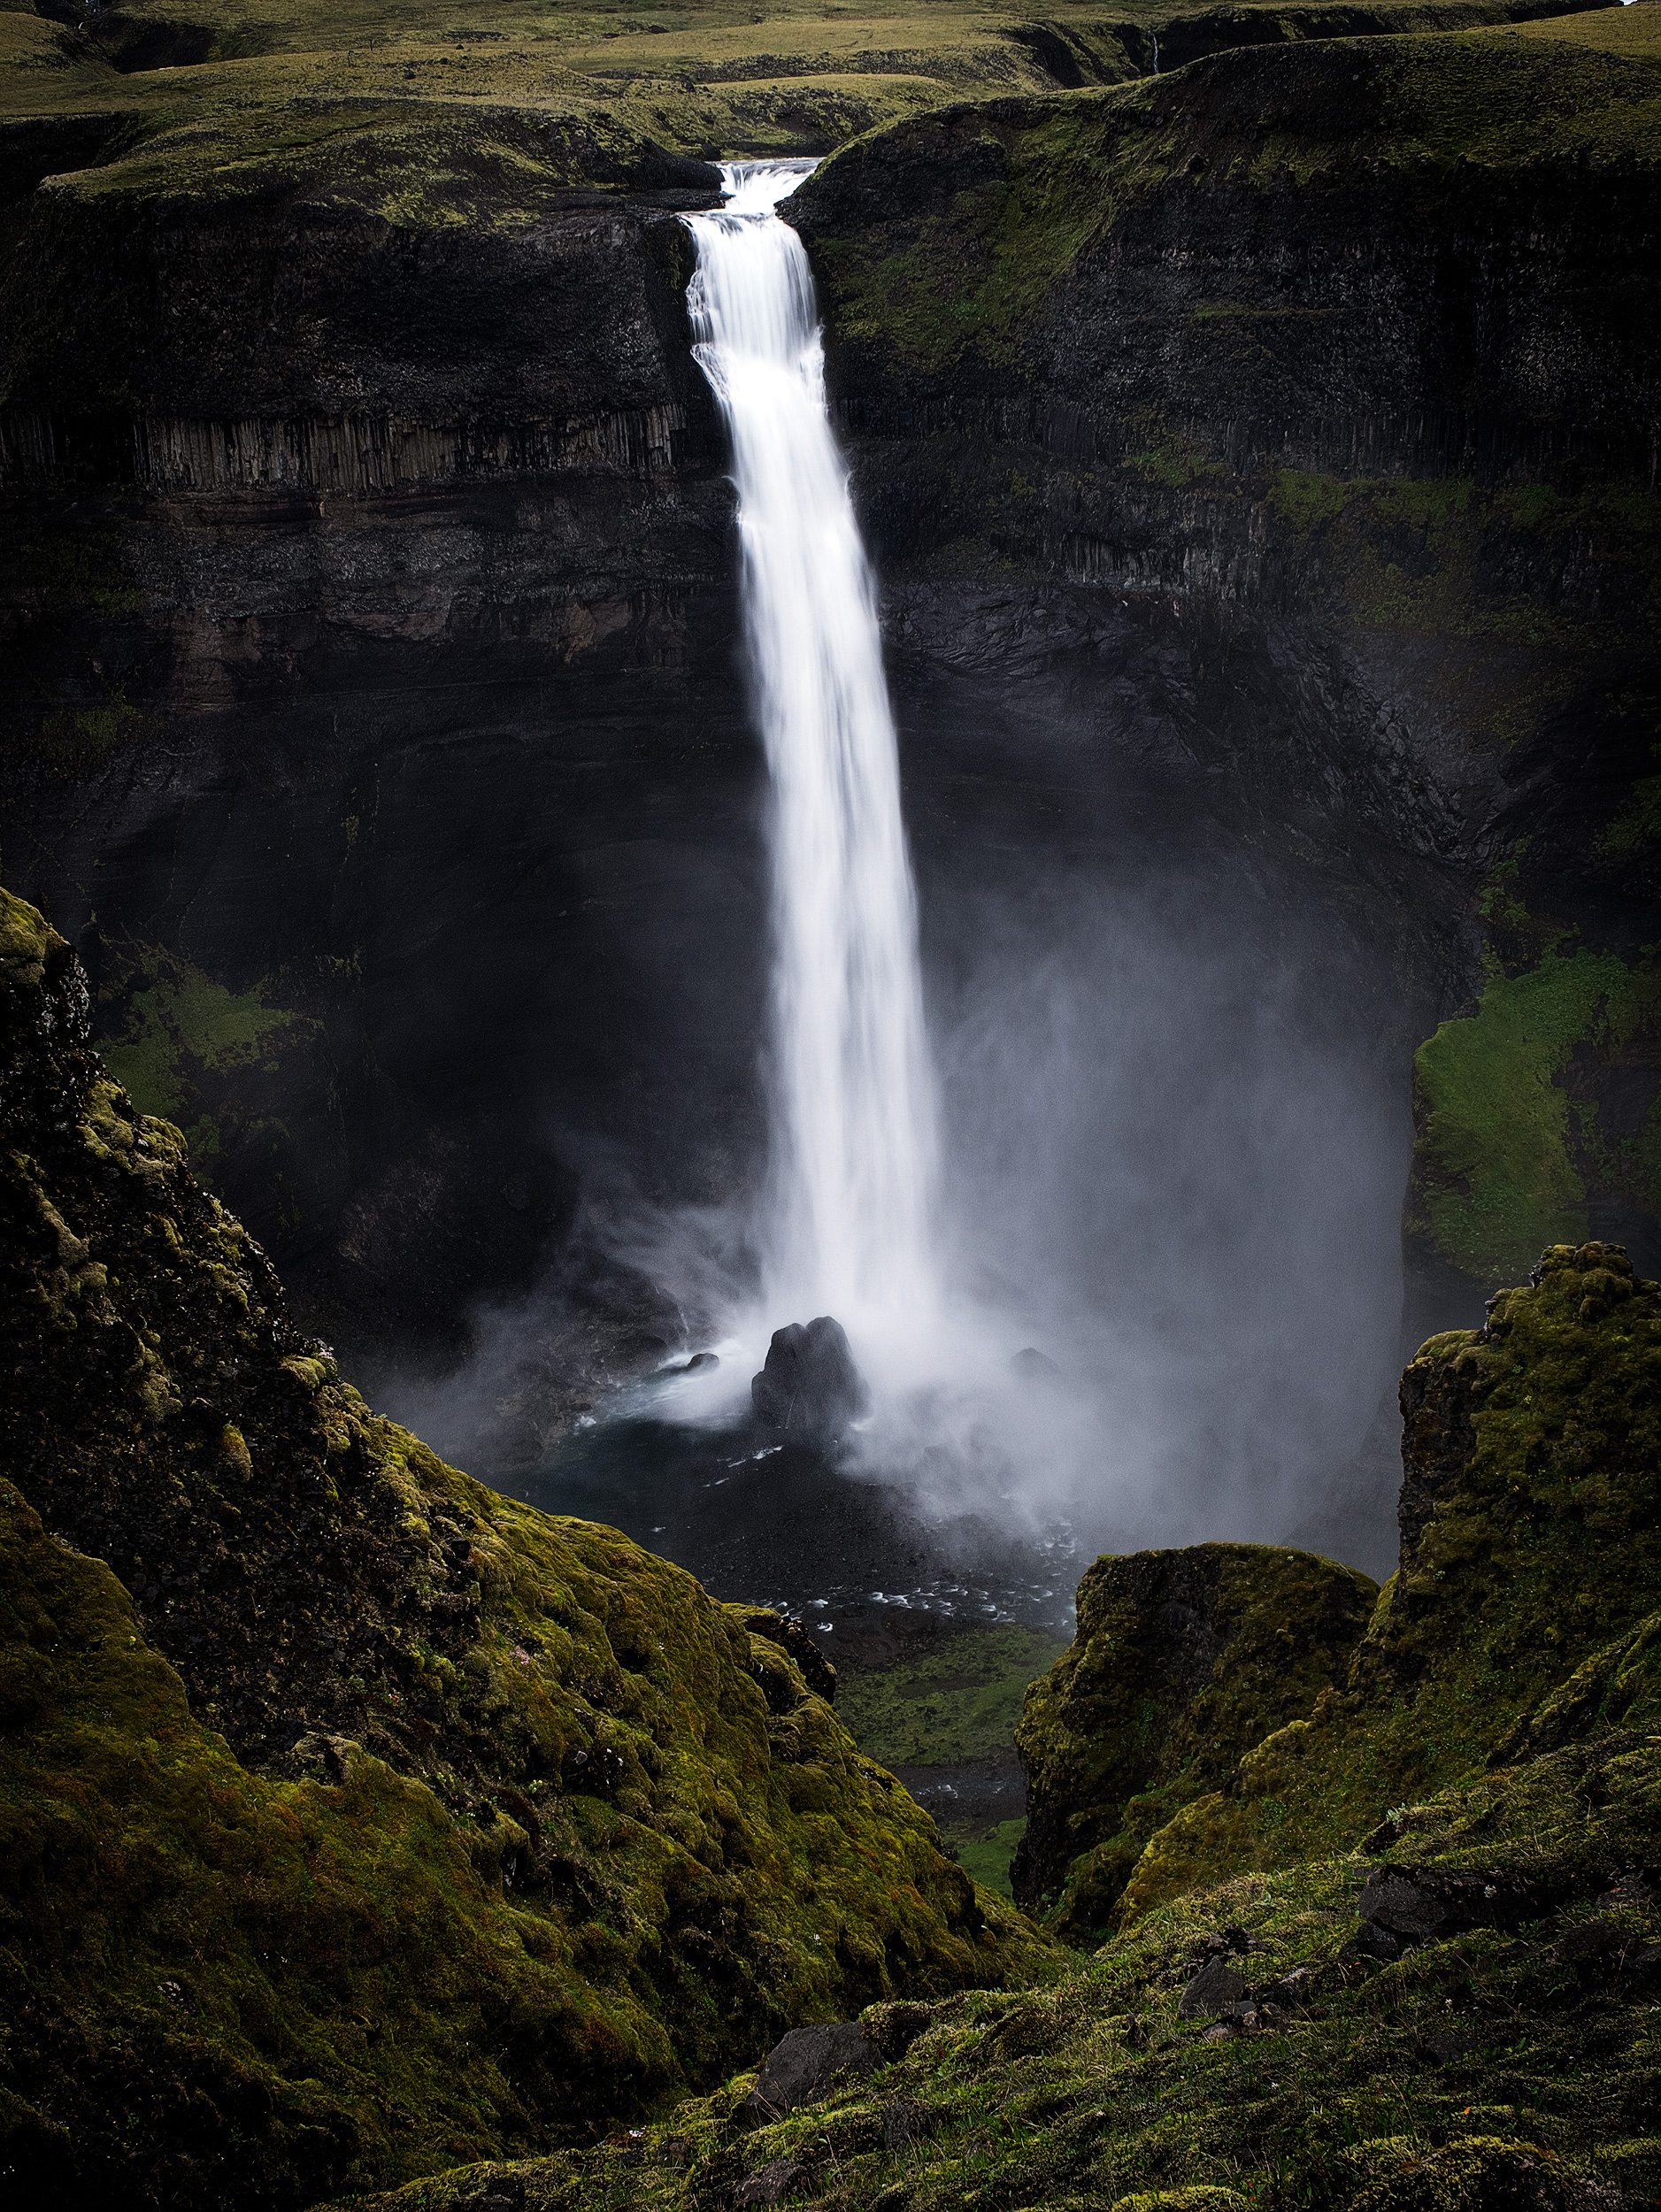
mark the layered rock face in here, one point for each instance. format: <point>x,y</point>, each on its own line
<point>375,725</point>
<point>430,592</point>
<point>1303,393</point>
<point>399,1817</point>
<point>1183,1661</point>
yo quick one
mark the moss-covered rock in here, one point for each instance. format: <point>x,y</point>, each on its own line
<point>1531,1563</point>
<point>1182,1662</point>
<point>357,1818</point>
<point>1481,2070</point>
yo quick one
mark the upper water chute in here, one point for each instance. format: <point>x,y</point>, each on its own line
<point>854,1144</point>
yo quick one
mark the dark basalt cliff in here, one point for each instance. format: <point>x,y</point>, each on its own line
<point>1257,460</point>
<point>1313,387</point>
<point>355,1818</point>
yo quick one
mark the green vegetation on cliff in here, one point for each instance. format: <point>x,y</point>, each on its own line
<point>1183,1661</point>
<point>1530,1549</point>
<point>1483,2068</point>
<point>357,1819</point>
<point>1504,1148</point>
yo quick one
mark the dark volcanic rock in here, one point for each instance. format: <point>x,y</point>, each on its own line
<point>810,1386</point>
<point>1418,1902</point>
<point>768,2185</point>
<point>801,2068</point>
<point>1213,1990</point>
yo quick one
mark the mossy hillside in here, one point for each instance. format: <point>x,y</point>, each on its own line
<point>1478,2070</point>
<point>1530,1546</point>
<point>273,1986</point>
<point>695,1853</point>
<point>1506,1154</point>
<point>1182,1662</point>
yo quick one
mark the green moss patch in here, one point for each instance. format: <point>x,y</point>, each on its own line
<point>1502,1150</point>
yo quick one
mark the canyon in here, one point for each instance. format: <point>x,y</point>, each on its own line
<point>1251,413</point>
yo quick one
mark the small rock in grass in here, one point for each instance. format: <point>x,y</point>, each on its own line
<point>904,2122</point>
<point>767,2186</point>
<point>1292,1990</point>
<point>1417,1902</point>
<point>1588,1939</point>
<point>800,2069</point>
<point>1635,1888</point>
<point>1213,1987</point>
<point>1442,2048</point>
<point>1372,1941</point>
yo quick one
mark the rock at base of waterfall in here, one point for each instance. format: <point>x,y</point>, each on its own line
<point>809,1384</point>
<point>1034,1366</point>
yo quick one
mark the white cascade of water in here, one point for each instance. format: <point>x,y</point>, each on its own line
<point>854,1146</point>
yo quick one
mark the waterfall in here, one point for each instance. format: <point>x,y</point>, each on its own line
<point>853,1143</point>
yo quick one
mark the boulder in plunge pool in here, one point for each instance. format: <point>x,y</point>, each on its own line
<point>810,1386</point>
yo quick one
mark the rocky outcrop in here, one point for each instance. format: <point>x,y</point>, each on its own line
<point>1523,1614</point>
<point>809,1384</point>
<point>1183,1661</point>
<point>410,1815</point>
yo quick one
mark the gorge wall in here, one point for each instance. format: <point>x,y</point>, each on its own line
<point>1257,459</point>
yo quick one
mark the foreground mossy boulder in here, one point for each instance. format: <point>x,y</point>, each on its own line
<point>1182,1662</point>
<point>357,1819</point>
<point>1531,1561</point>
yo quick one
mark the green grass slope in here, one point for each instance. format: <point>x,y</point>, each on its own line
<point>437,111</point>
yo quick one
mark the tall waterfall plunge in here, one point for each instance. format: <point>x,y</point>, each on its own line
<point>854,1145</point>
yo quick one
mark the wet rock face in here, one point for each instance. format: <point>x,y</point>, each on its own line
<point>810,1386</point>
<point>1182,1661</point>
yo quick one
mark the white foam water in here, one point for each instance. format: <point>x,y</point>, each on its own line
<point>850,1226</point>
